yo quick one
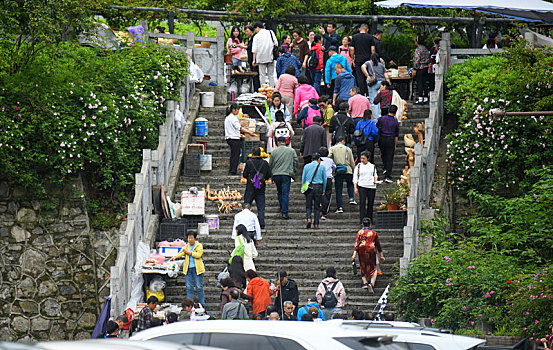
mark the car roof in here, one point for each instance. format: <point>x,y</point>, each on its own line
<point>376,324</point>
<point>4,345</point>
<point>117,344</point>
<point>247,327</point>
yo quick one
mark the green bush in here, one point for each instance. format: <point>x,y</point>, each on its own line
<point>80,111</point>
<point>489,153</point>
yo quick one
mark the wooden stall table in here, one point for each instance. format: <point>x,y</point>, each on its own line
<point>402,85</point>
<point>240,77</point>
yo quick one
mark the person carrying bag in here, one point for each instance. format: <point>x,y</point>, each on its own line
<point>313,189</point>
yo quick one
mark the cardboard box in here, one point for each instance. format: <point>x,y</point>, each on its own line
<point>193,204</point>
<point>257,137</point>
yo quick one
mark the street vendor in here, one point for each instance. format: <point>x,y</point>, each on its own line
<point>194,268</point>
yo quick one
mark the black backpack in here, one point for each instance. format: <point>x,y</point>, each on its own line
<point>329,299</point>
<point>312,60</point>
<point>361,139</point>
<point>339,131</point>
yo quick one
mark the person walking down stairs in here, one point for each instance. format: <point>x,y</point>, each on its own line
<point>313,183</point>
<point>367,244</point>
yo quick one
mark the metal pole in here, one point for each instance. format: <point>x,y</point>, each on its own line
<point>501,113</point>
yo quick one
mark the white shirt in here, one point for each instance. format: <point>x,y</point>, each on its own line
<point>248,219</point>
<point>329,166</point>
<point>232,127</point>
<point>364,175</point>
<point>263,43</point>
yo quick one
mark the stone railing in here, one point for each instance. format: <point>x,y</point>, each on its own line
<point>422,173</point>
<point>159,167</point>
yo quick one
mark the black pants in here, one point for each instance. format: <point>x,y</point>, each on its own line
<point>360,79</point>
<point>259,197</point>
<point>368,147</point>
<point>366,202</point>
<point>431,81</point>
<point>387,148</point>
<point>313,203</point>
<point>256,82</point>
<point>325,200</point>
<point>235,145</point>
<point>422,82</point>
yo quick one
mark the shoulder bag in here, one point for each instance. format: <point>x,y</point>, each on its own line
<point>343,168</point>
<point>308,186</point>
<point>275,47</point>
<point>371,80</point>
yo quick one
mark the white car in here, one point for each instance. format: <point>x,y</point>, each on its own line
<point>115,344</point>
<point>289,335</point>
<point>425,338</point>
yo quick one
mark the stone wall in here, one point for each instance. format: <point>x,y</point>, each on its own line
<point>53,272</point>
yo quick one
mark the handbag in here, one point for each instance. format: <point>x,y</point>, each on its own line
<point>237,251</point>
<point>371,80</point>
<point>275,47</point>
<point>308,186</point>
<point>342,168</point>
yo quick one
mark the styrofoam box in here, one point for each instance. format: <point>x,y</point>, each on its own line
<point>169,251</point>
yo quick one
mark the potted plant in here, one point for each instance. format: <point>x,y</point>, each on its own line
<point>396,196</point>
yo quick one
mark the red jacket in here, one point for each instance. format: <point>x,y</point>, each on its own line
<point>320,53</point>
<point>259,288</point>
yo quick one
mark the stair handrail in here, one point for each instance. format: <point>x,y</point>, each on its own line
<point>422,172</point>
<point>156,170</point>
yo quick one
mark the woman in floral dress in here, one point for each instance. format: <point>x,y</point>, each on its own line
<point>367,245</point>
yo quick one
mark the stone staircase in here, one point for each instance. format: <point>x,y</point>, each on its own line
<point>303,253</point>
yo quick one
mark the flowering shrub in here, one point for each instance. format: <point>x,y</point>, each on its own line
<point>78,111</point>
<point>489,153</point>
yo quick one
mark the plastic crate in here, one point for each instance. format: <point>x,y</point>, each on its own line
<point>169,230</point>
<point>195,148</point>
<point>191,165</point>
<point>247,148</point>
<point>391,218</point>
<point>192,222</point>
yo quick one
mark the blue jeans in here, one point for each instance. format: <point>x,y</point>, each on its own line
<point>282,183</point>
<point>194,280</point>
<point>316,76</point>
<point>373,91</point>
<point>339,186</point>
<point>331,312</point>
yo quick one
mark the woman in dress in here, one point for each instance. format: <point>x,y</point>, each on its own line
<point>284,130</point>
<point>367,245</point>
<point>250,253</point>
<point>364,183</point>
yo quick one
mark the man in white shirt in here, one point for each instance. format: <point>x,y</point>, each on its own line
<point>247,218</point>
<point>262,49</point>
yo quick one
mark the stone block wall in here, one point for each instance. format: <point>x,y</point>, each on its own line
<point>53,266</point>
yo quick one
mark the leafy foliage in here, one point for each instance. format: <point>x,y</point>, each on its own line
<point>78,112</point>
<point>499,275</point>
<point>489,153</point>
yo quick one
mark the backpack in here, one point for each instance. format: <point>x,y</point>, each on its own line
<point>237,251</point>
<point>312,60</point>
<point>282,131</point>
<point>339,131</point>
<point>361,139</point>
<point>329,299</point>
<point>311,112</point>
<point>258,178</point>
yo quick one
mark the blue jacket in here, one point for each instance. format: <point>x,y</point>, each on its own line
<point>343,84</point>
<point>369,128</point>
<point>303,310</point>
<point>285,60</point>
<point>330,72</point>
<point>318,179</point>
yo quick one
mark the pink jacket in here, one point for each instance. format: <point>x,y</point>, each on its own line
<point>339,291</point>
<point>304,92</point>
<point>287,85</point>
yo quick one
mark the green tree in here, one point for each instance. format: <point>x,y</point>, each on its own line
<point>27,26</point>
